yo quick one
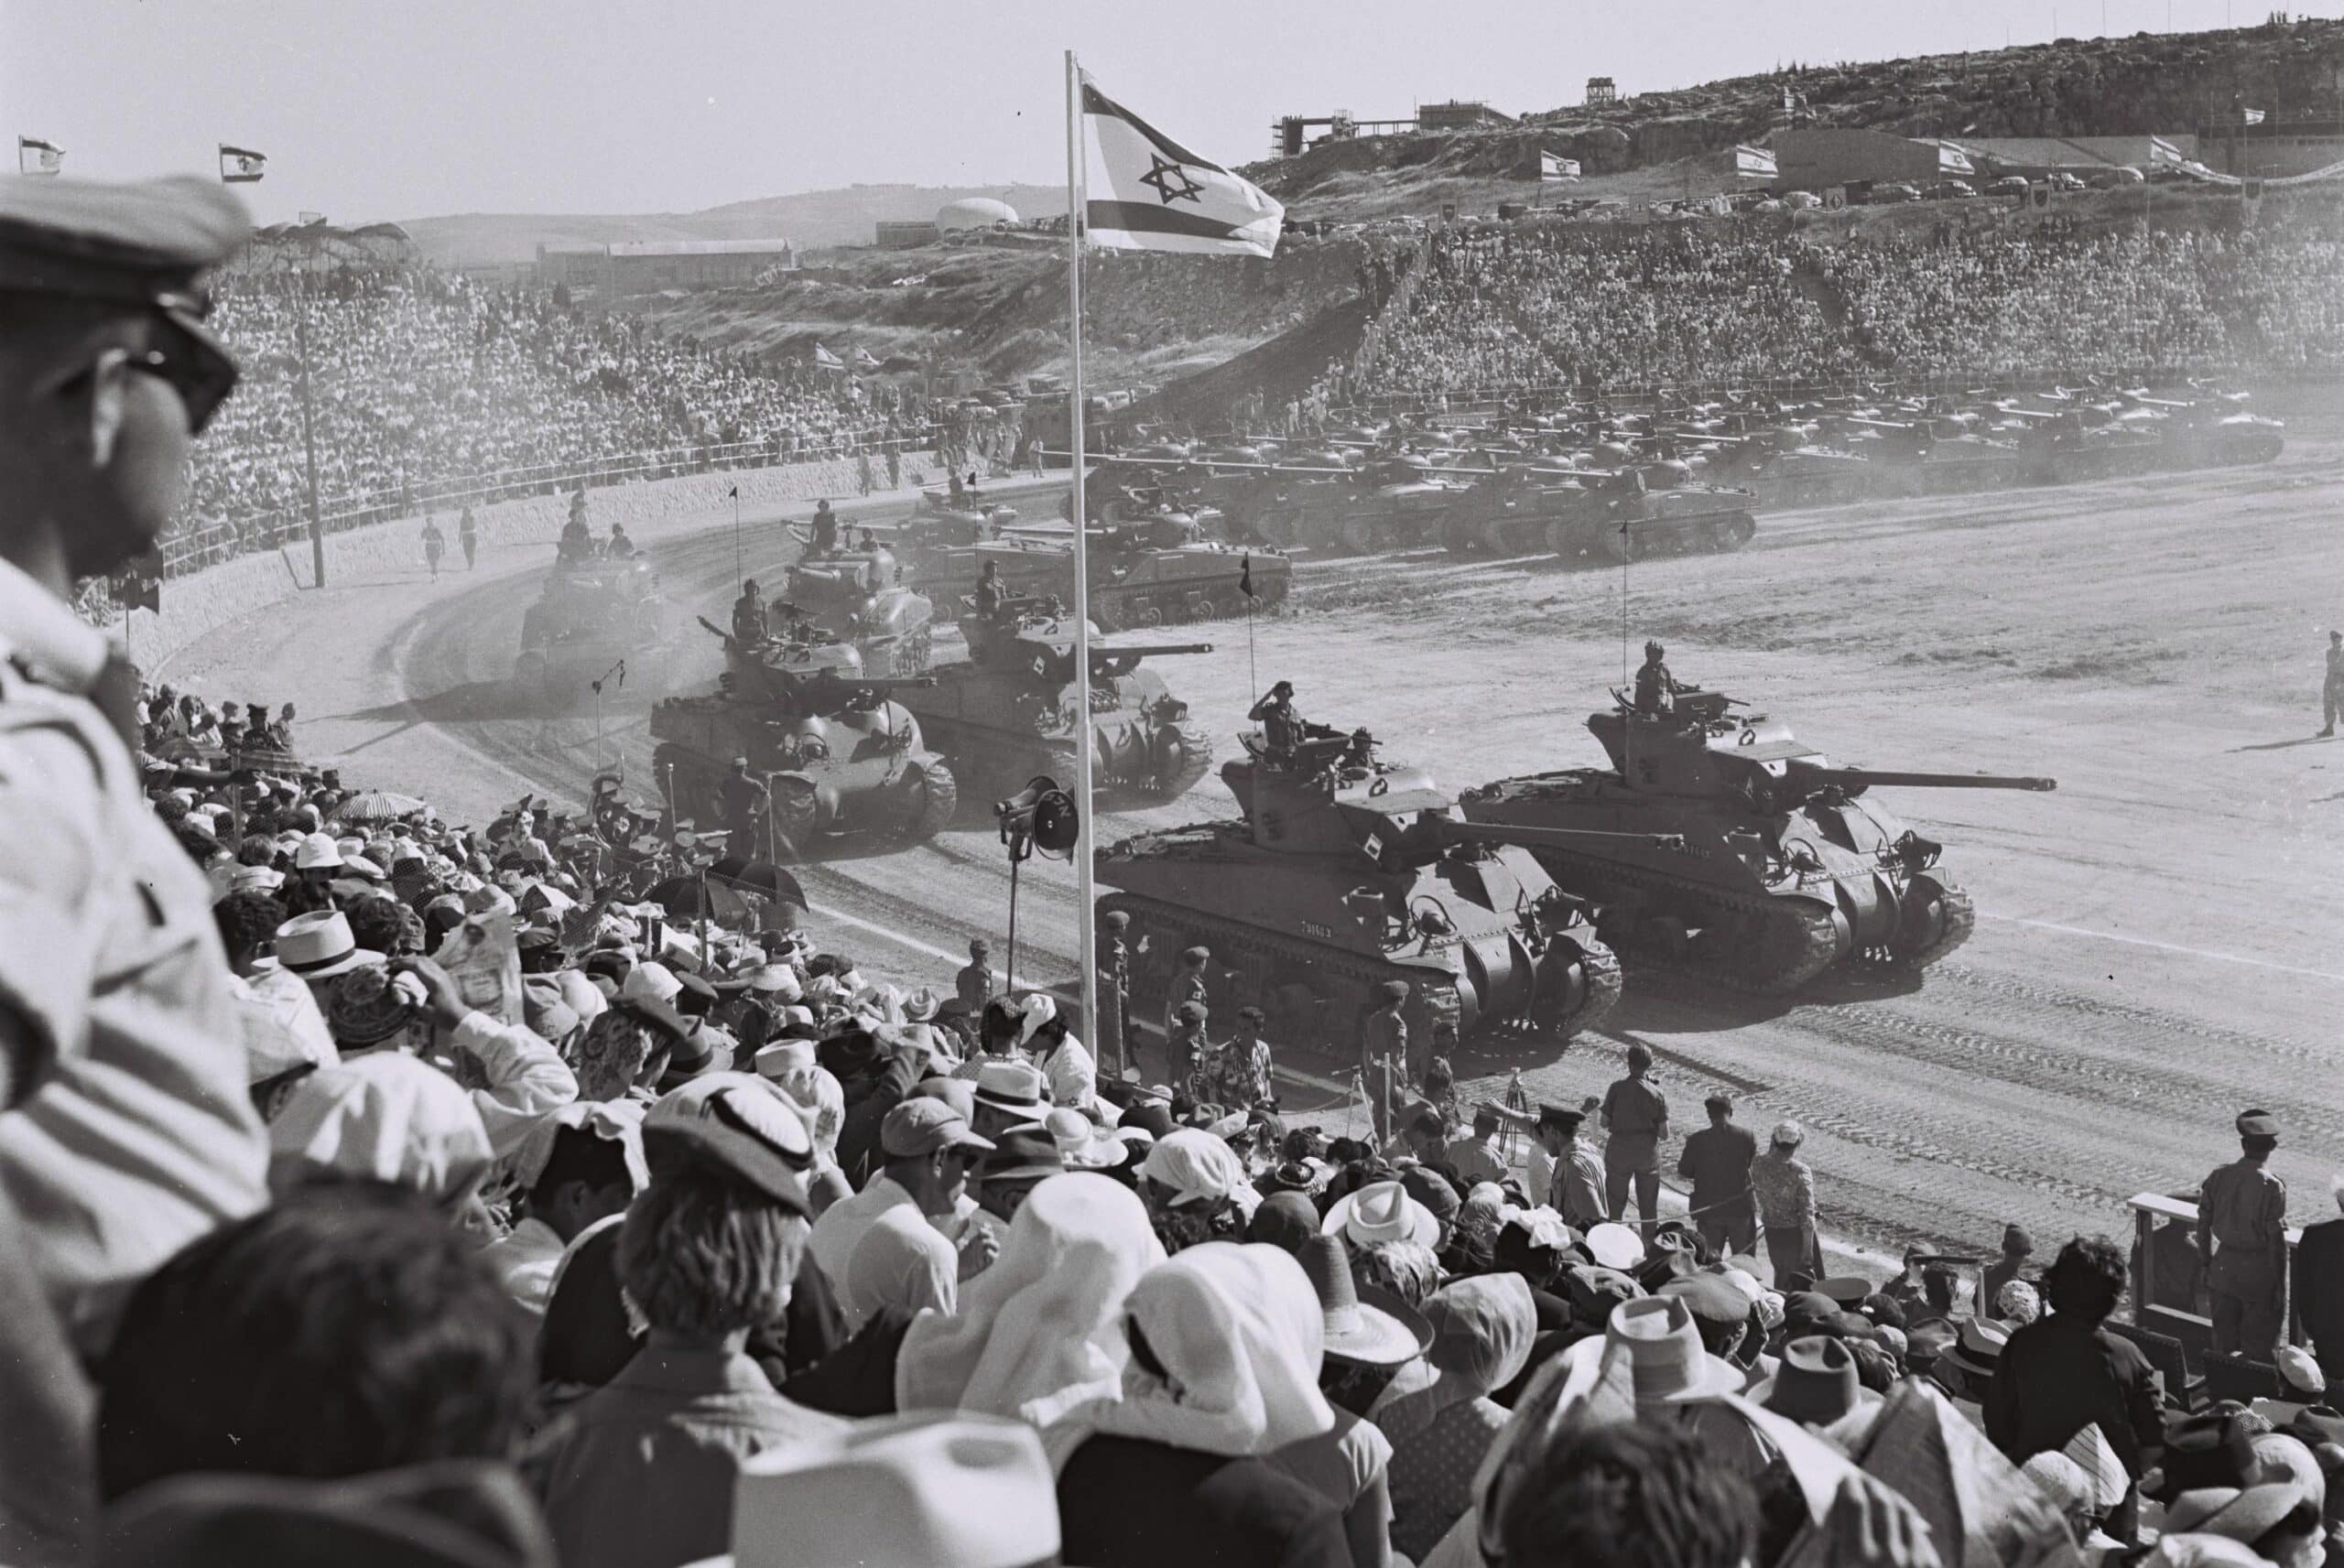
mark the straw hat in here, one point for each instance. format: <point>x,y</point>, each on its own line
<point>1370,1328</point>
<point>1978,1349</point>
<point>319,944</point>
<point>1615,1246</point>
<point>1378,1213</point>
<point>1663,1348</point>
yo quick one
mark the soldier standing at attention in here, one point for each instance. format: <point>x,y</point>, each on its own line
<point>973,983</point>
<point>2331,691</point>
<point>1383,1058</point>
<point>125,1130</point>
<point>2241,1231</point>
<point>825,528</point>
<point>467,535</point>
<point>435,544</point>
<point>1114,1021</point>
<point>1636,1115</point>
<point>1189,985</point>
<point>1656,687</point>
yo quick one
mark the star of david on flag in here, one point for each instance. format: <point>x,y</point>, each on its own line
<point>1143,192</point>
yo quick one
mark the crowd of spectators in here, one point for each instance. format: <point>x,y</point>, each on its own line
<point>427,385</point>
<point>1556,305</point>
<point>579,1230</point>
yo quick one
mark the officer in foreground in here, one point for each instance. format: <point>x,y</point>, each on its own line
<point>125,1130</point>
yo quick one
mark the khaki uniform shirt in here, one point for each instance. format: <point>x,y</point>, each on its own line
<point>140,1136</point>
<point>2244,1209</point>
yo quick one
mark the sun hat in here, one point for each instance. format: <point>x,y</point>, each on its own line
<point>741,1123</point>
<point>1378,1213</point>
<point>1815,1383</point>
<point>1370,1328</point>
<point>318,852</point>
<point>920,1006</point>
<point>319,944</point>
<point>1012,1087</point>
<point>922,1126</point>
<point>783,1057</point>
<point>618,1121</point>
<point>1663,1349</point>
<point>1789,1133</point>
<point>2092,1454</point>
<point>1084,1144</point>
<point>1615,1246</point>
<point>1022,1155</point>
<point>1978,1350</point>
<point>2299,1371</point>
<point>697,1052</point>
<point>651,979</point>
<point>387,1115</point>
<point>901,1489</point>
<point>256,878</point>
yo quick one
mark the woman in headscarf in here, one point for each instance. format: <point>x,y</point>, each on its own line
<point>1041,1330</point>
<point>1225,1342</point>
<point>1482,1330</point>
<point>1196,1190</point>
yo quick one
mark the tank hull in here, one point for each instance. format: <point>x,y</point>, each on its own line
<point>828,778</point>
<point>1139,588</point>
<point>1310,940</point>
<point>1755,901</point>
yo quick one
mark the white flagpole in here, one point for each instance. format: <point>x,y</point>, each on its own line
<point>1086,895</point>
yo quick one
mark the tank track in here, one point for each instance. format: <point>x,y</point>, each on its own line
<point>937,810</point>
<point>1195,756</point>
<point>1961,916</point>
<point>1232,943</point>
<point>795,823</point>
<point>1600,969</point>
<point>1819,943</point>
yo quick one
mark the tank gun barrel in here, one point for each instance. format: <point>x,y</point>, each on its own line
<point>1449,830</point>
<point>1864,778</point>
<point>1146,651</point>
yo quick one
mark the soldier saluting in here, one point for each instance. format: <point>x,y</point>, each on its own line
<point>1282,727</point>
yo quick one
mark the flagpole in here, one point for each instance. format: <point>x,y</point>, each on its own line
<point>1085,913</point>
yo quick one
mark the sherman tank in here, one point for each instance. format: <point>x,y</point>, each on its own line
<point>1013,710</point>
<point>1148,575</point>
<point>1394,504</point>
<point>836,750</point>
<point>1786,867</point>
<point>854,596</point>
<point>1345,872</point>
<point>590,614</point>
<point>1622,515</point>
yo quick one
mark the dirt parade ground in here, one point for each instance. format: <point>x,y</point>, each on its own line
<point>2157,943</point>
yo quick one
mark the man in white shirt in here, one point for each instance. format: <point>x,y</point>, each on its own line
<point>283,1034</point>
<point>579,1165</point>
<point>927,1147</point>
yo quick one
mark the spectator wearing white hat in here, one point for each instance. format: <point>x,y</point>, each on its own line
<point>283,1034</point>
<point>1063,1058</point>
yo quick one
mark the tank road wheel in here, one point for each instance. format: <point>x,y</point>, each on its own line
<point>1202,610</point>
<point>1357,535</point>
<point>1740,529</point>
<point>928,797</point>
<point>797,821</point>
<point>1181,753</point>
<point>1567,538</point>
<point>1498,536</point>
<point>1147,614</point>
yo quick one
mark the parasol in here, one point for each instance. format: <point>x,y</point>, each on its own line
<point>378,806</point>
<point>735,888</point>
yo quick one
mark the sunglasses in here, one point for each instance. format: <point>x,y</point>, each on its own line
<point>199,374</point>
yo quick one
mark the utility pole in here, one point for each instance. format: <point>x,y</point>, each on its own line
<point>309,443</point>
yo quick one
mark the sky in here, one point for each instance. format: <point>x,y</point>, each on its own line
<point>426,107</point>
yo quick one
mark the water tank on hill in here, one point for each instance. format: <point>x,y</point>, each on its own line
<point>973,212</point>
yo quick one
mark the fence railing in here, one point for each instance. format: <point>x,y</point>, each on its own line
<point>194,549</point>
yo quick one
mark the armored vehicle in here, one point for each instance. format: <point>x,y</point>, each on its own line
<point>590,614</point>
<point>1392,504</point>
<point>1786,867</point>
<point>835,750</point>
<point>1136,577</point>
<point>1014,710</point>
<point>855,596</point>
<point>1626,514</point>
<point>1346,872</point>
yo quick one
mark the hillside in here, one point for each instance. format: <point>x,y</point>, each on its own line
<point>812,220</point>
<point>2075,87</point>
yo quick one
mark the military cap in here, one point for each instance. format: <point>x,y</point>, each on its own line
<point>1283,688</point>
<point>142,246</point>
<point>1194,956</point>
<point>1115,919</point>
<point>2257,1124</point>
<point>1397,991</point>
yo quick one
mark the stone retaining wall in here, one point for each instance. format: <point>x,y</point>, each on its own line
<point>204,601</point>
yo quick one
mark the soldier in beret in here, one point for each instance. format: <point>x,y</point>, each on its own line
<point>2241,1230</point>
<point>125,1130</point>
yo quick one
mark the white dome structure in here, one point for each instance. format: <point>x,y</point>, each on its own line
<point>973,212</point>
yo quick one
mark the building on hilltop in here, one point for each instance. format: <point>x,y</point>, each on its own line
<point>1815,159</point>
<point>905,234</point>
<point>1601,91</point>
<point>973,212</point>
<point>1461,115</point>
<point>645,266</point>
<point>2037,157</point>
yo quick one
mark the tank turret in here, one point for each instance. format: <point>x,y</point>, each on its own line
<point>855,596</point>
<point>835,747</point>
<point>590,614</point>
<point>1785,870</point>
<point>1015,709</point>
<point>1345,872</point>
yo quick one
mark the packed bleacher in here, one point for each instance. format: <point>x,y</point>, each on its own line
<point>545,1216</point>
<point>427,385</point>
<point>1566,305</point>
